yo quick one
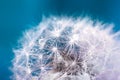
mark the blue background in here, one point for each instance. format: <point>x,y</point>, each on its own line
<point>19,15</point>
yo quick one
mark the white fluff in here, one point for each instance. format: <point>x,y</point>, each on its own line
<point>61,48</point>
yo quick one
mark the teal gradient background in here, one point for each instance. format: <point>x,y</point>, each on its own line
<point>18,15</point>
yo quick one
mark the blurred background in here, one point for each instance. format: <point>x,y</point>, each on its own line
<point>18,15</point>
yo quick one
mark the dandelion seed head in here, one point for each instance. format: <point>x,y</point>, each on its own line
<point>66,49</point>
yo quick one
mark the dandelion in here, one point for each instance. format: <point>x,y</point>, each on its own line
<point>66,49</point>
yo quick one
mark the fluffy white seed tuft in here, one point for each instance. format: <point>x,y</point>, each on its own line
<point>67,49</point>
